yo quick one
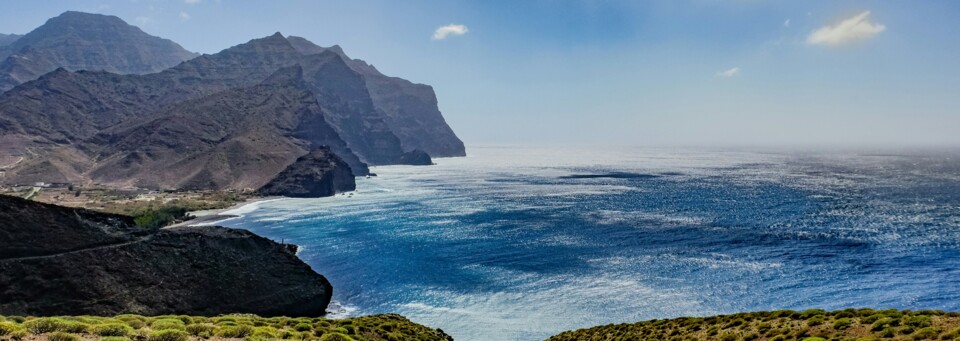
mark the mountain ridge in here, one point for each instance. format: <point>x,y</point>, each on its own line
<point>228,120</point>
<point>84,41</point>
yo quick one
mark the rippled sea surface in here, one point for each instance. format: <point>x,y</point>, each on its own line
<point>523,243</point>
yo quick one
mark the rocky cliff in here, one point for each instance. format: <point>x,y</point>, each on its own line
<point>230,120</point>
<point>84,41</point>
<point>320,173</point>
<point>80,262</point>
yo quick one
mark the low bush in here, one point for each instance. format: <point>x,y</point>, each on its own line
<point>919,321</point>
<point>161,217</point>
<point>168,323</point>
<point>168,335</point>
<point>815,320</point>
<point>112,329</point>
<point>201,329</point>
<point>8,327</point>
<point>61,336</point>
<point>43,325</point>
<point>928,333</point>
<point>842,323</point>
<point>74,327</point>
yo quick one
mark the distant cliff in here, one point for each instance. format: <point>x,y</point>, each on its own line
<point>66,261</point>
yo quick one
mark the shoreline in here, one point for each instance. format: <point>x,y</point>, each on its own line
<point>214,216</point>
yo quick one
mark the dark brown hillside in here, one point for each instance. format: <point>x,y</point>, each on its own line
<point>119,269</point>
<point>236,139</point>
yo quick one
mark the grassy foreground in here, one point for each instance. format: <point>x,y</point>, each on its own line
<point>184,328</point>
<point>810,325</point>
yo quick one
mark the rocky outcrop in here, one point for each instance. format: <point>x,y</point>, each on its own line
<point>189,270</point>
<point>416,157</point>
<point>320,173</point>
<point>84,41</point>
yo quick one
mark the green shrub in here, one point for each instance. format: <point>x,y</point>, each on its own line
<point>158,218</point>
<point>43,325</point>
<point>335,337</point>
<point>238,331</point>
<point>928,333</point>
<point>814,338</point>
<point>200,329</point>
<point>8,327</point>
<point>919,321</point>
<point>815,320</point>
<point>168,335</point>
<point>112,329</point>
<point>842,323</point>
<point>302,327</point>
<point>872,318</point>
<point>168,323</point>
<point>265,332</point>
<point>74,327</point>
<point>806,314</point>
<point>882,323</point>
<point>61,336</point>
<point>887,332</point>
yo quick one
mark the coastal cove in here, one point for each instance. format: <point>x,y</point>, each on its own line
<point>524,243</point>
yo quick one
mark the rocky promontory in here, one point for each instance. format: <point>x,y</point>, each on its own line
<point>320,173</point>
<point>69,261</point>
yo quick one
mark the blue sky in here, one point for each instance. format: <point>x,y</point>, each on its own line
<point>672,72</point>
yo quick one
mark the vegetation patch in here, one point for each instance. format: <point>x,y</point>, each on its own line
<point>783,325</point>
<point>198,328</point>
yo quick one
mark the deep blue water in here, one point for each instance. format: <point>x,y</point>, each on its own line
<point>523,243</point>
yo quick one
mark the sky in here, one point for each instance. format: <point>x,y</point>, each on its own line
<point>641,73</point>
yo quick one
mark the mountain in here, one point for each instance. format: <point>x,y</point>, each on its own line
<point>69,261</point>
<point>238,139</point>
<point>84,41</point>
<point>7,39</point>
<point>409,109</point>
<point>230,120</point>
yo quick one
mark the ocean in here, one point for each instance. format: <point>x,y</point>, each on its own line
<point>520,243</point>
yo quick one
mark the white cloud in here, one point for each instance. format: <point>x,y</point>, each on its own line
<point>786,23</point>
<point>443,32</point>
<point>729,73</point>
<point>858,27</point>
<point>184,16</point>
<point>191,2</point>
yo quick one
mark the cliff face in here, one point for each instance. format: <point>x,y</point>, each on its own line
<point>190,270</point>
<point>317,174</point>
<point>83,41</point>
<point>409,109</point>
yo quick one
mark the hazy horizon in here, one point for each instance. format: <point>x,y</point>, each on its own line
<point>819,74</point>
